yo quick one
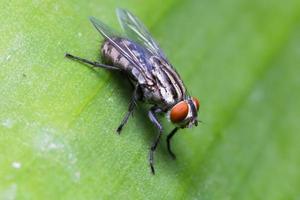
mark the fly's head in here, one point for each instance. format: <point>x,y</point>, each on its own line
<point>184,113</point>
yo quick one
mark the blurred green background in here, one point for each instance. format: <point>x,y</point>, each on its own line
<point>58,118</point>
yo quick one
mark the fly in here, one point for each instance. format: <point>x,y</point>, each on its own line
<point>155,80</point>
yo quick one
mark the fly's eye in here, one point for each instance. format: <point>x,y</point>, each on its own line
<point>196,102</point>
<point>179,112</point>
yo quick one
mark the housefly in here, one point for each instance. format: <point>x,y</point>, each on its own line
<point>155,81</point>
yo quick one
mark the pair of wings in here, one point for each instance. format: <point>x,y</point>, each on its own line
<point>134,30</point>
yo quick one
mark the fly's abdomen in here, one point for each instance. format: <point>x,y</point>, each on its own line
<point>113,56</point>
<point>135,64</point>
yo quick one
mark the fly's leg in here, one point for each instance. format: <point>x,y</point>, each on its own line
<point>131,108</point>
<point>152,115</point>
<point>169,137</point>
<point>93,63</point>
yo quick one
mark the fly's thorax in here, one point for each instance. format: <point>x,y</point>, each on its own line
<point>162,85</point>
<point>168,82</point>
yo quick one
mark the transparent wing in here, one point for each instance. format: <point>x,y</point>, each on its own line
<point>108,33</point>
<point>135,30</point>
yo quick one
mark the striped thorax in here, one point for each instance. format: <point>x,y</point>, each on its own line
<point>161,84</point>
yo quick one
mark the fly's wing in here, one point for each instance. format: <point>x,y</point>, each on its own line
<point>135,30</point>
<point>106,31</point>
<point>109,34</point>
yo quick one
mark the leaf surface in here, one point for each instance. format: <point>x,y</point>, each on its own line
<point>58,118</point>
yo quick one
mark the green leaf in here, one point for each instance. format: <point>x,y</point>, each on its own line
<point>58,118</point>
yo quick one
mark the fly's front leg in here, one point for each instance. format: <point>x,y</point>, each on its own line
<point>169,137</point>
<point>131,108</point>
<point>93,63</point>
<point>152,115</point>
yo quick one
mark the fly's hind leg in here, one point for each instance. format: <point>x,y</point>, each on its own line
<point>93,63</point>
<point>135,97</point>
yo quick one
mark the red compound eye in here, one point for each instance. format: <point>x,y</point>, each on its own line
<point>179,112</point>
<point>196,102</point>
